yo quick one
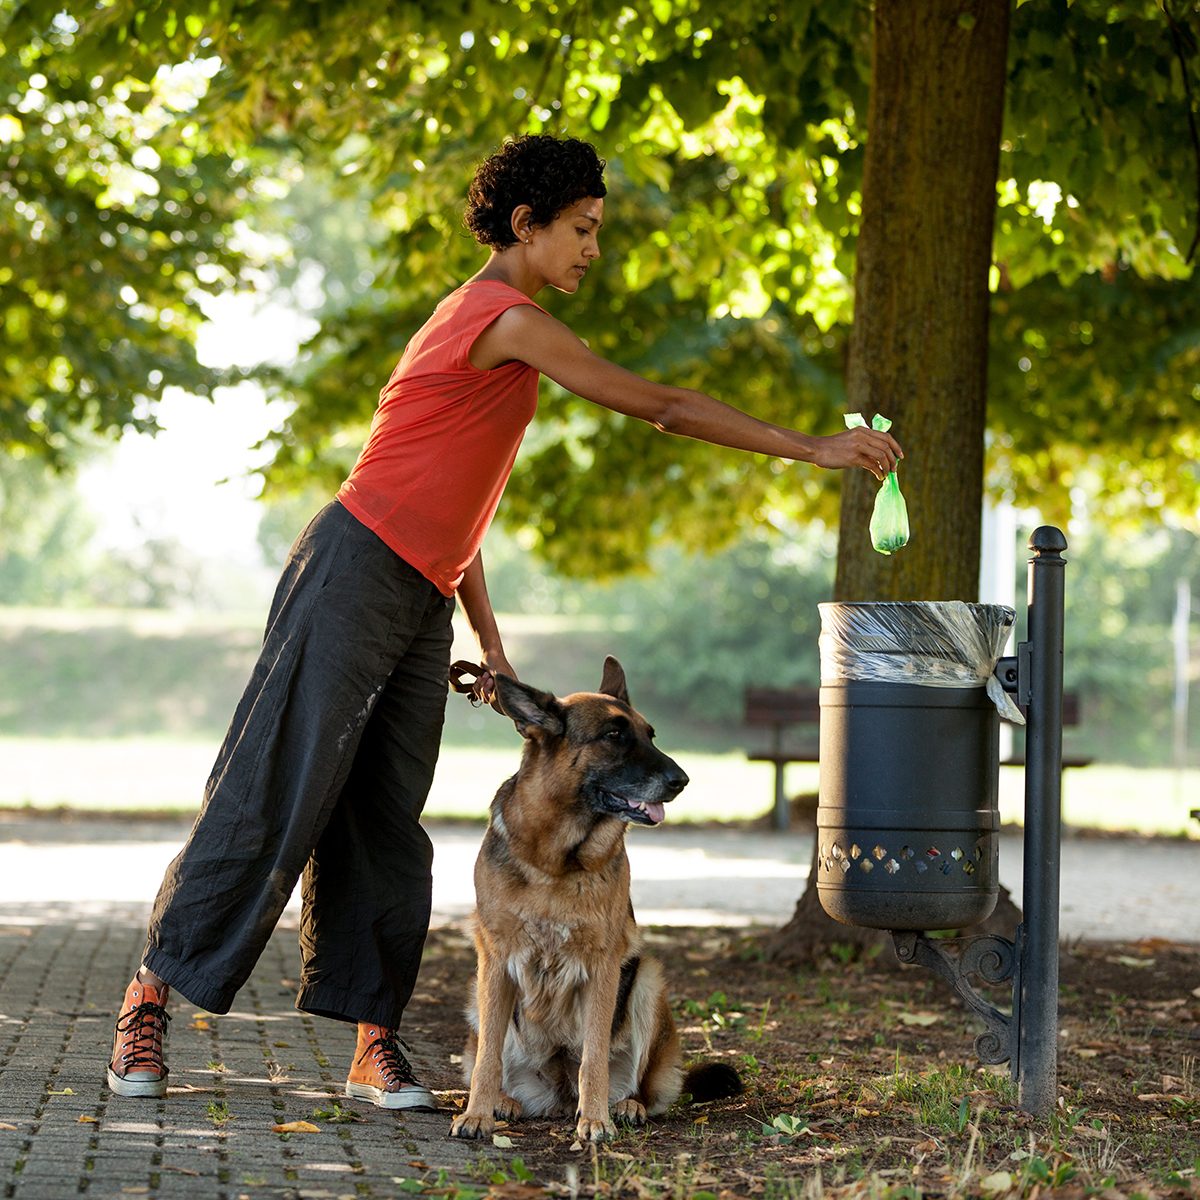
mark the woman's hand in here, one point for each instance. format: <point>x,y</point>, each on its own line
<point>870,449</point>
<point>485,686</point>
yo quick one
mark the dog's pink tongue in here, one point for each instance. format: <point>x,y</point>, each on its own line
<point>655,812</point>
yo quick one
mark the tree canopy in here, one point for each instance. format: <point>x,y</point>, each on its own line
<point>143,144</point>
<point>112,223</point>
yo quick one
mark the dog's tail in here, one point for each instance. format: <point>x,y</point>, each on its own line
<point>711,1081</point>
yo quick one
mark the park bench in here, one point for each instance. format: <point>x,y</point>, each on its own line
<point>782,710</point>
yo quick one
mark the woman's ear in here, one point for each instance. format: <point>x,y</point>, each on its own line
<point>520,221</point>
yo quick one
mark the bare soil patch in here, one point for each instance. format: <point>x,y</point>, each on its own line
<point>860,1080</point>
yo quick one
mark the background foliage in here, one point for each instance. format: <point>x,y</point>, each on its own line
<point>153,154</point>
<point>113,222</point>
<point>735,141</point>
<point>693,629</point>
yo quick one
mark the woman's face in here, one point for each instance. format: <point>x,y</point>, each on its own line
<point>563,250</point>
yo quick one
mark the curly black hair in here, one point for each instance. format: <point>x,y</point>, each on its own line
<point>545,172</point>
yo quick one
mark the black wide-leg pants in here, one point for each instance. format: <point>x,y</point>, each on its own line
<point>324,771</point>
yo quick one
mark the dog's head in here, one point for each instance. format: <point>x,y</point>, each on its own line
<point>595,747</point>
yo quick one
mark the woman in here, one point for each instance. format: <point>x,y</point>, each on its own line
<point>331,752</point>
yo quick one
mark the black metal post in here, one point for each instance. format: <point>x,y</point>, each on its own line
<point>1028,1038</point>
<point>1035,1008</point>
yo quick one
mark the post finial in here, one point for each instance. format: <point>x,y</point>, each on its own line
<point>1047,542</point>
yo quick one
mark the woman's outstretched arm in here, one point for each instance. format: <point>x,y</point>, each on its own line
<point>531,336</point>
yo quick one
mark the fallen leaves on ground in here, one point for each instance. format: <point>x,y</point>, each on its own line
<point>865,1071</point>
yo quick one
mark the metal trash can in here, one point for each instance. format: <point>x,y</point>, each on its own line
<point>908,819</point>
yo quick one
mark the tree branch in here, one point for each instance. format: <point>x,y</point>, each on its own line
<point>1181,38</point>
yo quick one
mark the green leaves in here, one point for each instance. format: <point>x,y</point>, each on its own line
<point>109,231</point>
<point>735,140</point>
<point>1114,141</point>
<point>1096,385</point>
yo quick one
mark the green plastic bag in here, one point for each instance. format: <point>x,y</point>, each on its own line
<point>889,521</point>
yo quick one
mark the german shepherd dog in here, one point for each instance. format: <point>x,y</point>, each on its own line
<point>568,1015</point>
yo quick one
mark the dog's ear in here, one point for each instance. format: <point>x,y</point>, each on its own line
<point>532,712</point>
<point>613,683</point>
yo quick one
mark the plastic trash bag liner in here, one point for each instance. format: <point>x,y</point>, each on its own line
<point>889,518</point>
<point>935,643</point>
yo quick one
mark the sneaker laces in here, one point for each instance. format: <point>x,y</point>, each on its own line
<point>141,1032</point>
<point>394,1068</point>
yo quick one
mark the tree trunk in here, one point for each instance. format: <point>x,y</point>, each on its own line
<point>918,349</point>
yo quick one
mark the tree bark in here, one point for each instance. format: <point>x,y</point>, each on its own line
<point>918,349</point>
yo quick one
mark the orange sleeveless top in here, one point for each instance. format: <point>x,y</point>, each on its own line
<point>444,439</point>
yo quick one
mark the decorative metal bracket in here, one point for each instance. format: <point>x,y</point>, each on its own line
<point>1014,673</point>
<point>992,959</point>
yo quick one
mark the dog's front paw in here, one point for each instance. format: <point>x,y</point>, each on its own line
<point>589,1129</point>
<point>473,1125</point>
<point>630,1112</point>
<point>508,1109</point>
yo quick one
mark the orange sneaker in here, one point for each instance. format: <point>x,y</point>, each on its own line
<point>136,1067</point>
<point>383,1075</point>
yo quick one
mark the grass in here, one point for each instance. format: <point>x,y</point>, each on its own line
<point>115,710</point>
<point>942,1099</point>
<point>167,774</point>
<point>218,1112</point>
<point>116,674</point>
